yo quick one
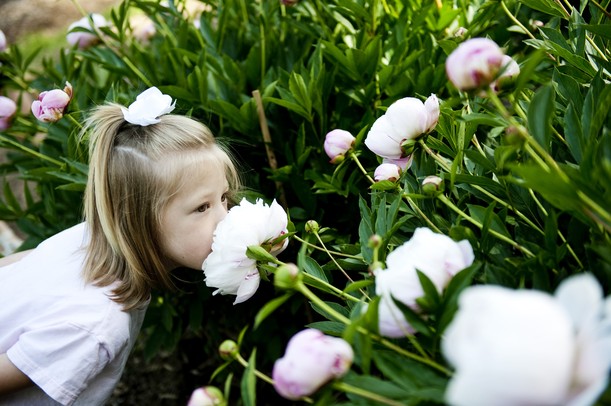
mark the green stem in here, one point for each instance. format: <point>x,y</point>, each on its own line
<point>30,151</point>
<point>74,121</point>
<point>343,319</point>
<point>498,235</point>
<point>353,156</point>
<point>338,292</point>
<point>259,374</point>
<point>515,20</point>
<point>435,156</point>
<point>415,207</point>
<point>341,254</point>
<point>342,386</point>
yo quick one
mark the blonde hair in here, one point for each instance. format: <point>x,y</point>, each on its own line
<point>133,173</point>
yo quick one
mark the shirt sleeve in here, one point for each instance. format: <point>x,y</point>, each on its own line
<point>61,359</point>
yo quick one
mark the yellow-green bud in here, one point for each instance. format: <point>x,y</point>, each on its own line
<point>228,350</point>
<point>407,147</point>
<point>431,185</point>
<point>287,276</point>
<point>375,241</point>
<point>312,226</point>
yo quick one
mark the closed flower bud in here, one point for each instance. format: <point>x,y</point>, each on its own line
<point>474,64</point>
<point>311,360</point>
<point>394,134</point>
<point>312,226</point>
<point>207,396</point>
<point>389,172</point>
<point>228,350</point>
<point>7,111</point>
<point>84,39</point>
<point>432,184</point>
<point>52,104</point>
<point>287,276</point>
<point>509,71</point>
<point>375,241</point>
<point>337,143</point>
<point>2,41</point>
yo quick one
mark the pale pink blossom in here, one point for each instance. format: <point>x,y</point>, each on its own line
<point>474,64</point>
<point>51,105</point>
<point>337,144</point>
<point>311,359</point>
<point>85,39</point>
<point>8,108</point>
<point>207,396</point>
<point>386,172</point>
<point>3,44</point>
<point>509,71</point>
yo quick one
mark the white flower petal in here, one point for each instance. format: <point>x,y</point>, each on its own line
<point>148,107</point>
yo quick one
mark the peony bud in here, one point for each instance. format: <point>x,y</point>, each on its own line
<point>228,350</point>
<point>432,184</point>
<point>337,143</point>
<point>2,41</point>
<point>7,111</point>
<point>311,226</point>
<point>207,396</point>
<point>387,172</point>
<point>84,39</point>
<point>311,360</point>
<point>509,71</point>
<point>287,276</point>
<point>474,63</point>
<point>394,134</point>
<point>52,104</point>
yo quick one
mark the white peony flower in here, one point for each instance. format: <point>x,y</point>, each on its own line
<point>147,108</point>
<point>406,119</point>
<point>436,255</point>
<point>519,347</point>
<point>227,267</point>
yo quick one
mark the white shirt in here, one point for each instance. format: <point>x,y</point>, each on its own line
<point>68,337</point>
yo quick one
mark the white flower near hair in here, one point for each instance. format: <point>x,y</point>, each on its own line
<point>435,255</point>
<point>228,268</point>
<point>518,347</point>
<point>148,107</point>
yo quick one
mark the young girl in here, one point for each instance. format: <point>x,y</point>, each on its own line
<point>72,308</point>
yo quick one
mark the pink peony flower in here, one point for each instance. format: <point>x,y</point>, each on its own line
<point>393,134</point>
<point>311,360</point>
<point>7,111</point>
<point>84,39</point>
<point>52,104</point>
<point>337,143</point>
<point>510,70</point>
<point>474,64</point>
<point>143,28</point>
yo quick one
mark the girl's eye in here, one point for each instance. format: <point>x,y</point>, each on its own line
<point>203,207</point>
<point>224,197</point>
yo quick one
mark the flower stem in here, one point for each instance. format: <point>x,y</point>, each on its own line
<point>343,319</point>
<point>343,386</point>
<point>314,246</point>
<point>353,156</point>
<point>336,291</point>
<point>414,206</point>
<point>479,225</point>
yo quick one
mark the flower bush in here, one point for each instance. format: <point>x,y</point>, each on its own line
<point>509,159</point>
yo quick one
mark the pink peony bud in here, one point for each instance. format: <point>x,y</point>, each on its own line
<point>2,41</point>
<point>7,111</point>
<point>311,360</point>
<point>474,63</point>
<point>509,71</point>
<point>207,396</point>
<point>393,135</point>
<point>52,104</point>
<point>387,172</point>
<point>337,143</point>
<point>85,39</point>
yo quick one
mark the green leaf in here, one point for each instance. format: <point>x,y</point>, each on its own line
<point>248,383</point>
<point>310,266</point>
<point>572,132</point>
<point>547,6</point>
<point>414,319</point>
<point>540,112</point>
<point>481,214</point>
<point>270,307</point>
<point>259,253</point>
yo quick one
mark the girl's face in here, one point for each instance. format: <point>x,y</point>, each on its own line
<point>189,219</point>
